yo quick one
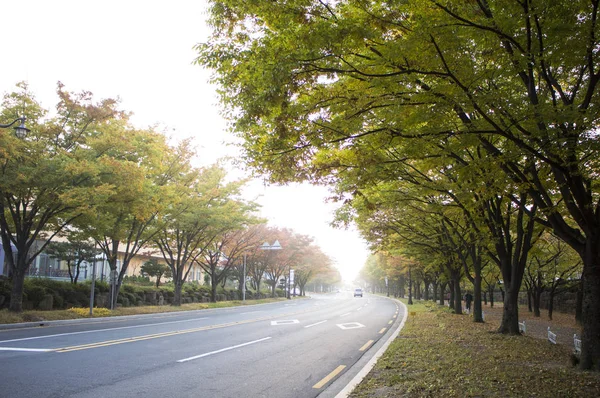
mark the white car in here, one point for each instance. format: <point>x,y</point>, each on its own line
<point>358,292</point>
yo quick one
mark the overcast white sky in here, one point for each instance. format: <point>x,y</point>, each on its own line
<point>141,52</point>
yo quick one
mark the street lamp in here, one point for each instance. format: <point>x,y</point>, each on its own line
<point>20,131</point>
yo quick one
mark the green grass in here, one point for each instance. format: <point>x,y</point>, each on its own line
<point>440,354</point>
<point>39,316</point>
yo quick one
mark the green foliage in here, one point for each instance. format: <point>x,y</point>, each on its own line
<point>137,280</point>
<point>153,268</point>
<point>52,170</point>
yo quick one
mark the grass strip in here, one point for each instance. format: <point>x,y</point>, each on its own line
<point>441,354</point>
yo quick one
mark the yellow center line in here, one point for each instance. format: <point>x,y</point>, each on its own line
<point>382,330</point>
<point>367,345</point>
<point>390,322</point>
<point>166,334</point>
<point>330,376</point>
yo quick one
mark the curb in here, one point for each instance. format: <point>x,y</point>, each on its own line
<point>38,324</point>
<point>369,365</point>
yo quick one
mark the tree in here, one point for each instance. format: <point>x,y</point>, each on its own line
<point>226,249</point>
<point>312,262</point>
<point>154,269</point>
<point>140,166</point>
<point>74,252</point>
<point>246,244</point>
<point>305,83</point>
<point>553,267</point>
<point>192,222</point>
<point>51,177</point>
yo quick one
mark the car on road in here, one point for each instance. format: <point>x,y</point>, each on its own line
<point>358,292</point>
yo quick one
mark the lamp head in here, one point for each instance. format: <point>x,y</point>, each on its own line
<point>21,131</point>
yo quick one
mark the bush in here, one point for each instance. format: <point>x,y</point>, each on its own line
<point>35,294</point>
<point>138,280</point>
<point>86,311</point>
<point>66,294</point>
<point>59,301</point>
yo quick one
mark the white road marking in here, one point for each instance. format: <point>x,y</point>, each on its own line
<point>98,330</point>
<point>347,313</point>
<point>284,322</point>
<point>222,350</point>
<point>315,324</point>
<point>351,325</point>
<point>250,312</point>
<point>26,349</point>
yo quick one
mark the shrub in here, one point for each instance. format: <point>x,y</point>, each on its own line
<point>35,294</point>
<point>59,302</point>
<point>85,312</point>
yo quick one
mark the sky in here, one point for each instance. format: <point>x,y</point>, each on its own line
<point>142,52</point>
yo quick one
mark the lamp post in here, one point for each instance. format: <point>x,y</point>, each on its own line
<point>244,279</point>
<point>20,131</point>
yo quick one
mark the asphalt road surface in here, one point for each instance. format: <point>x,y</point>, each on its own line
<point>298,348</point>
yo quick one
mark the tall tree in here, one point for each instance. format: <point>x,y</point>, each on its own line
<point>49,178</point>
<point>193,221</point>
<point>227,247</point>
<point>139,166</point>
<point>307,81</point>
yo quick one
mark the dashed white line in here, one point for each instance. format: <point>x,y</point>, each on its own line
<point>315,324</point>
<point>222,350</point>
<point>347,313</point>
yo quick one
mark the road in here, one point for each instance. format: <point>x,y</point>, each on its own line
<point>296,348</point>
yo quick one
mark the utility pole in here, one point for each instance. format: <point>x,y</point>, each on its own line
<point>244,279</point>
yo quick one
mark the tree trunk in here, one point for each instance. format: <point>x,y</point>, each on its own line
<point>551,304</point>
<point>401,286</point>
<point>510,314</point>
<point>491,296</point>
<point>484,297</point>
<point>410,300</point>
<point>70,272</point>
<point>117,291</point>
<point>451,287</point>
<point>529,305</point>
<point>457,298</point>
<point>590,338</point>
<point>16,294</point>
<point>579,303</point>
<point>537,298</point>
<point>442,289</point>
<point>477,310</point>
<point>213,289</point>
<point>177,293</point>
<point>78,270</point>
